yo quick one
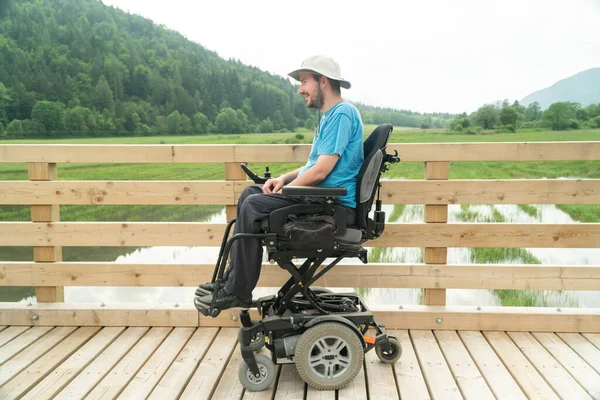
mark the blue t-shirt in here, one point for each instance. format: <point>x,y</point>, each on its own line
<point>340,132</point>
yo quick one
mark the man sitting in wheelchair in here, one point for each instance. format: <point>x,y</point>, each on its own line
<point>319,211</point>
<point>335,160</point>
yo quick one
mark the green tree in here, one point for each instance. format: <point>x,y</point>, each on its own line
<point>76,120</point>
<point>132,122</point>
<point>5,101</point>
<point>227,121</point>
<point>14,129</point>
<point>103,96</point>
<point>49,114</point>
<point>486,116</point>
<point>200,123</point>
<point>559,115</point>
<point>509,116</point>
<point>266,125</point>
<point>2,131</point>
<point>174,122</point>
<point>186,124</point>
<point>533,112</point>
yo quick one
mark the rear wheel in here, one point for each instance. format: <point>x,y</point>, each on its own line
<point>329,356</point>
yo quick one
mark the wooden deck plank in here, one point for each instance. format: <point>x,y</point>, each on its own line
<point>175,379</point>
<point>79,387</point>
<point>467,375</point>
<point>38,349</point>
<point>563,384</point>
<point>532,383</point>
<point>380,378</point>
<point>10,333</point>
<point>409,376</point>
<point>357,389</point>
<point>437,375</point>
<point>579,369</point>
<point>583,348</point>
<point>114,382</point>
<point>594,338</point>
<point>37,371</point>
<point>290,385</point>
<point>64,373</point>
<point>314,394</point>
<point>229,385</point>
<point>205,379</point>
<point>499,380</point>
<point>153,370</point>
<point>21,342</point>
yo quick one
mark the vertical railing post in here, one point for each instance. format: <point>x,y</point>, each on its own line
<point>233,172</point>
<point>46,213</point>
<point>436,214</point>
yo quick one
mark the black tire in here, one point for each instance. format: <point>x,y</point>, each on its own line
<point>329,356</point>
<point>267,374</point>
<point>392,356</point>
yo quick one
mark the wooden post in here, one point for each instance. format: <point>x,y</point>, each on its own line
<point>436,214</point>
<point>46,213</point>
<point>233,172</point>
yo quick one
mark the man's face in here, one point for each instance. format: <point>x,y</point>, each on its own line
<point>309,90</point>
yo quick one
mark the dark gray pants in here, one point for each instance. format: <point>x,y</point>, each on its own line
<point>246,254</point>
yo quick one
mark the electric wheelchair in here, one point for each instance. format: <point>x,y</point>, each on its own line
<point>323,333</point>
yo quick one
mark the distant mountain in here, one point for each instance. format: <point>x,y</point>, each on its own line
<point>583,87</point>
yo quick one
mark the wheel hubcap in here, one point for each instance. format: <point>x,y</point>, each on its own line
<point>329,357</point>
<point>263,375</point>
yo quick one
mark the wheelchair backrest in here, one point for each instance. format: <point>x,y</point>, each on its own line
<point>370,172</point>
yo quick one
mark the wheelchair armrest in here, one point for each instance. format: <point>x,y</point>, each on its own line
<point>314,191</point>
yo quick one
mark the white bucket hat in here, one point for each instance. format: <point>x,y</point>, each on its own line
<point>321,65</point>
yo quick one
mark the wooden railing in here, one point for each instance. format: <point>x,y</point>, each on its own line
<point>47,234</point>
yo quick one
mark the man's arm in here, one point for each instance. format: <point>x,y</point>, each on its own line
<point>318,172</point>
<point>290,176</point>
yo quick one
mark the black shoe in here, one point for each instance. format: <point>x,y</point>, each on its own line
<point>224,300</point>
<point>208,288</point>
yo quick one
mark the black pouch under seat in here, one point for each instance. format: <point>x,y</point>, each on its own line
<point>310,231</point>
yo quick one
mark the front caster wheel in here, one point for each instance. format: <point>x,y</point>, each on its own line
<point>266,378</point>
<point>329,356</point>
<point>390,357</point>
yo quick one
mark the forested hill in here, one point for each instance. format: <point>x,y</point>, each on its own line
<point>81,68</point>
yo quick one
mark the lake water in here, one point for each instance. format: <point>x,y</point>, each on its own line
<point>376,298</point>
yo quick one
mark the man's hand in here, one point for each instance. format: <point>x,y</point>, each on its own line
<point>273,186</point>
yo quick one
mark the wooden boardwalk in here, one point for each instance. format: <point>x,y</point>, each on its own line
<point>202,363</point>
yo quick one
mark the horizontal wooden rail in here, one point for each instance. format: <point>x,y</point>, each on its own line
<point>117,192</point>
<point>539,319</point>
<point>117,153</point>
<point>207,234</point>
<point>206,153</point>
<point>376,275</point>
<point>534,191</point>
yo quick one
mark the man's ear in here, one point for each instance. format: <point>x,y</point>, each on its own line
<point>323,81</point>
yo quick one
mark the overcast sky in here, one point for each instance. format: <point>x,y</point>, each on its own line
<point>427,56</point>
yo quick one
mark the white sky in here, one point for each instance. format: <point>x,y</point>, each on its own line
<point>427,56</point>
